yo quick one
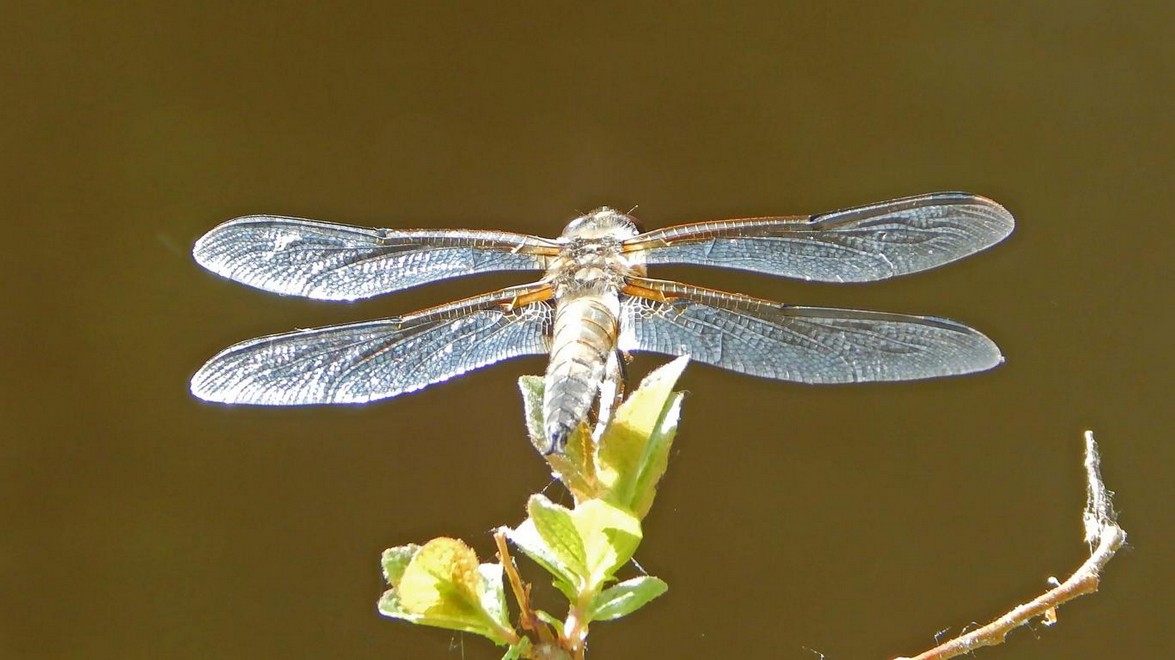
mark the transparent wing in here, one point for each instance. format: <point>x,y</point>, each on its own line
<point>362,362</point>
<point>802,344</point>
<point>862,244</point>
<point>330,261</point>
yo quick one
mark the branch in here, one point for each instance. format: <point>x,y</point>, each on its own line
<point>526,615</point>
<point>1103,535</point>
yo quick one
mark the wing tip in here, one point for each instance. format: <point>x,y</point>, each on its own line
<point>999,221</point>
<point>206,386</point>
<point>983,354</point>
<point>986,362</point>
<point>198,387</point>
<point>201,249</point>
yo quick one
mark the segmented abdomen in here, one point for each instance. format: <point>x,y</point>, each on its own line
<point>584,338</point>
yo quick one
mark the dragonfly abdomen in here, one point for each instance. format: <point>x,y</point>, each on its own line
<point>584,339</point>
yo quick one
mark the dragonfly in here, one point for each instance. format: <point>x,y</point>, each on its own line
<point>595,303</point>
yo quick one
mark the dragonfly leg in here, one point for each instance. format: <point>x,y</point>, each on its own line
<point>611,392</point>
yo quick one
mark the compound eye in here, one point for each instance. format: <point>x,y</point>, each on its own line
<point>600,223</point>
<point>577,224</point>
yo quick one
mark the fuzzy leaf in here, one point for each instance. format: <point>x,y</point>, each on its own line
<point>527,539</point>
<point>558,531</point>
<point>626,597</point>
<point>532,407</point>
<point>395,560</point>
<point>634,451</point>
<point>610,537</point>
<point>443,585</point>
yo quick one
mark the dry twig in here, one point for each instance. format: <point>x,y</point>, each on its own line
<point>1103,535</point>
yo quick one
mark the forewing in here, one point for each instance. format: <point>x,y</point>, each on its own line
<point>862,244</point>
<point>330,261</point>
<point>801,344</point>
<point>362,362</point>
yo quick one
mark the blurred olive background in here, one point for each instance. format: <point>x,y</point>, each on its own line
<point>796,522</point>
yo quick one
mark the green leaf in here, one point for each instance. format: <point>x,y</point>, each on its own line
<point>626,597</point>
<point>493,595</point>
<point>441,577</point>
<point>583,547</point>
<point>532,407</point>
<point>610,537</point>
<point>634,451</point>
<point>656,460</point>
<point>557,529</point>
<point>443,585</point>
<point>527,539</point>
<point>395,560</point>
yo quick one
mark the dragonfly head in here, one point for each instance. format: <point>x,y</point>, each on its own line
<point>602,223</point>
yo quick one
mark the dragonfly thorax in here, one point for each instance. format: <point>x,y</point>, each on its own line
<point>591,259</point>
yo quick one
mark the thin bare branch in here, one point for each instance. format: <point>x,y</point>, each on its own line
<point>1103,535</point>
<point>526,615</point>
